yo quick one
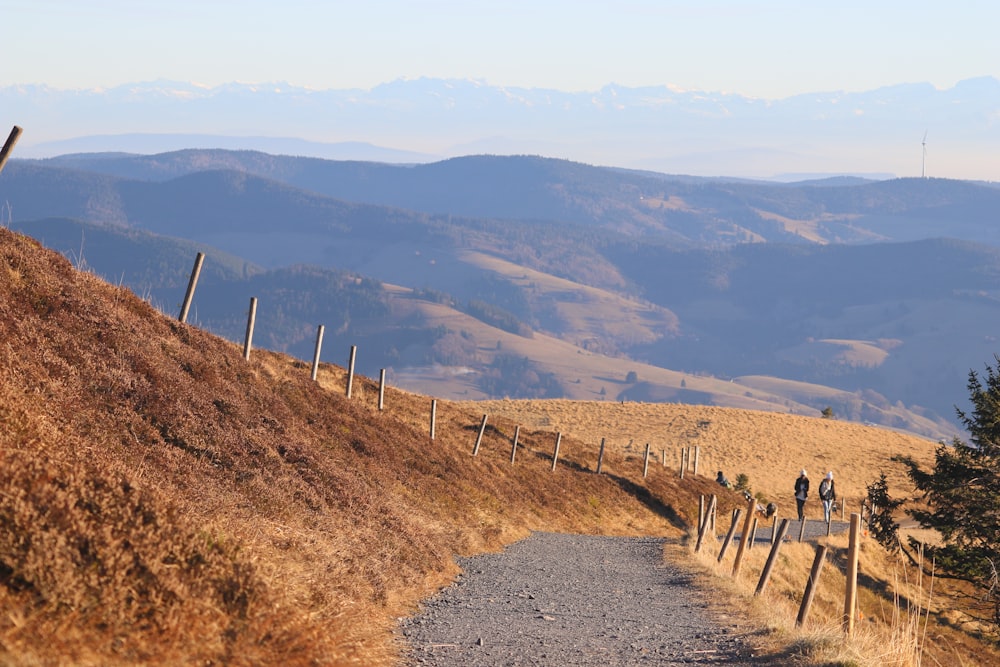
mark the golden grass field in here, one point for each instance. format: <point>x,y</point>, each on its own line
<point>165,501</point>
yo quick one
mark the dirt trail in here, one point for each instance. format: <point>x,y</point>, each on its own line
<point>555,599</point>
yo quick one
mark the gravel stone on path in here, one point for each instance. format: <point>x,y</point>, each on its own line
<point>559,599</point>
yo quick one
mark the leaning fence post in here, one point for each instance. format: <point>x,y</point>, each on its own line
<point>513,446</point>
<point>434,409</point>
<point>851,594</point>
<point>600,457</point>
<point>192,283</point>
<point>811,585</point>
<point>479,437</point>
<point>771,558</point>
<point>381,389</point>
<point>350,369</point>
<point>753,532</point>
<point>802,529</point>
<point>645,462</point>
<point>705,522</point>
<point>555,454</point>
<point>251,320</point>
<point>319,346</point>
<point>743,539</point>
<point>729,535</point>
<point>8,146</point>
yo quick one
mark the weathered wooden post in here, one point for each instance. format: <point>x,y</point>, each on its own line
<point>555,454</point>
<point>350,369</point>
<point>513,446</point>
<point>765,575</point>
<point>381,389</point>
<point>701,512</point>
<point>319,346</point>
<point>729,535</point>
<point>251,320</point>
<point>645,462</point>
<point>697,454</point>
<point>600,457</point>
<point>8,145</point>
<point>753,532</point>
<point>704,523</point>
<point>434,409</point>
<point>192,283</point>
<point>479,437</point>
<point>683,461</point>
<point>744,538</point>
<point>774,528</point>
<point>663,457</point>
<point>811,585</point>
<point>802,529</point>
<point>851,594</point>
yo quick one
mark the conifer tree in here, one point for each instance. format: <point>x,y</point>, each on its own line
<point>963,492</point>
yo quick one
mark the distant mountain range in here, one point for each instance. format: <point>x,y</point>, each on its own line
<point>528,277</point>
<point>876,133</point>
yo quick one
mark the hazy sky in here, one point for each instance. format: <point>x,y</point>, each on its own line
<point>763,49</point>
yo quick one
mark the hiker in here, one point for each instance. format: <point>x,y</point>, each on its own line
<point>828,494</point>
<point>801,493</point>
<point>721,479</point>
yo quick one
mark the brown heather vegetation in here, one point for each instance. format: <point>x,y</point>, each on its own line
<point>164,501</point>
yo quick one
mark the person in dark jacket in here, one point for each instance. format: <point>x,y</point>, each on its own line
<point>721,479</point>
<point>801,493</point>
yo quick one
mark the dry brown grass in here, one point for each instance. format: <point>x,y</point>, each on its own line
<point>164,501</point>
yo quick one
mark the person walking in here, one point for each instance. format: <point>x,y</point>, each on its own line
<point>828,494</point>
<point>801,493</point>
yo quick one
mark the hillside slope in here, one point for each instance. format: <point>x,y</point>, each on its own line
<point>164,500</point>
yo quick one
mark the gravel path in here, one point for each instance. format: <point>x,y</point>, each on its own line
<point>556,599</point>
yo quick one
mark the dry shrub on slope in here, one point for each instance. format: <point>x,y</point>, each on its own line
<point>164,500</point>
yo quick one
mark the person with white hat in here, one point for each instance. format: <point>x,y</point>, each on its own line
<point>828,494</point>
<point>801,493</point>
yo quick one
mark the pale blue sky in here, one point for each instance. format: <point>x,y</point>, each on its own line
<point>762,49</point>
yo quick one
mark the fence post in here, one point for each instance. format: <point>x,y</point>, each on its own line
<point>434,409</point>
<point>381,389</point>
<point>8,145</point>
<point>513,447</point>
<point>851,594</point>
<point>251,320</point>
<point>774,528</point>
<point>555,454</point>
<point>729,535</point>
<point>743,539</point>
<point>663,456</point>
<point>319,346</point>
<point>771,558</point>
<point>802,529</point>
<point>479,438</point>
<point>753,532</point>
<point>706,521</point>
<point>811,585</point>
<point>645,462</point>
<point>192,283</point>
<point>350,369</point>
<point>697,454</point>
<point>600,457</point>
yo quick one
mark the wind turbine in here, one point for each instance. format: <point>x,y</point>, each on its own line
<point>923,160</point>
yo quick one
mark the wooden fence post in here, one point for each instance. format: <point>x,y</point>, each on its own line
<point>683,461</point>
<point>701,512</point>
<point>707,521</point>
<point>774,528</point>
<point>811,585</point>
<point>600,457</point>
<point>251,320</point>
<point>381,389</point>
<point>434,409</point>
<point>851,594</point>
<point>744,538</point>
<point>729,535</point>
<point>350,369</point>
<point>8,145</point>
<point>319,346</point>
<point>192,283</point>
<point>753,532</point>
<point>771,558</point>
<point>663,456</point>
<point>555,454</point>
<point>513,447</point>
<point>479,437</point>
<point>645,462</point>
<point>697,453</point>
<point>802,529</point>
